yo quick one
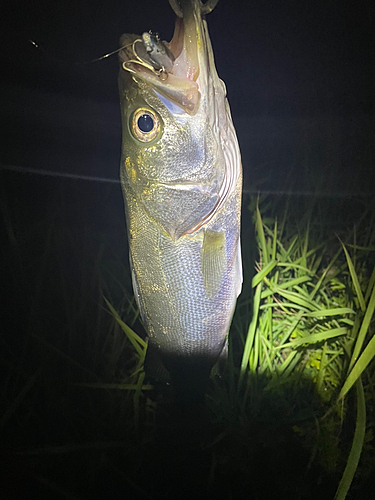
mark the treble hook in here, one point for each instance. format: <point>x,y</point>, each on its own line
<point>206,8</point>
<point>161,73</point>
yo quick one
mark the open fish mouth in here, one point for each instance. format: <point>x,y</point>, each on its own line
<point>177,69</point>
<point>182,76</point>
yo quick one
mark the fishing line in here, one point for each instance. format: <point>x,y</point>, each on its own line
<point>67,175</point>
<point>51,173</point>
<point>65,61</point>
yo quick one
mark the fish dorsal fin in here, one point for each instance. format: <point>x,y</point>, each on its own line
<point>213,261</point>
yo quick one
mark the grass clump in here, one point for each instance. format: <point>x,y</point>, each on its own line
<point>311,336</point>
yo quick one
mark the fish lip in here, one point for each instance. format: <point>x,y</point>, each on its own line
<point>185,41</point>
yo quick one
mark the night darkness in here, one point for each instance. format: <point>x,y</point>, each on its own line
<point>300,83</point>
<point>299,77</point>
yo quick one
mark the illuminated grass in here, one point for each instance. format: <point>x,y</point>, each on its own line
<point>311,319</point>
<point>301,359</point>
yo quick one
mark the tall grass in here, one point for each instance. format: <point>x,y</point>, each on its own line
<point>300,372</point>
<point>313,320</point>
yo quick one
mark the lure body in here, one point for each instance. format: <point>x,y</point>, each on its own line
<point>182,181</point>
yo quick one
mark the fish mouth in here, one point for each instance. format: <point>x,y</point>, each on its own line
<point>173,68</point>
<point>183,72</point>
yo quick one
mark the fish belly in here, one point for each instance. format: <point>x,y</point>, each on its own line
<point>187,318</point>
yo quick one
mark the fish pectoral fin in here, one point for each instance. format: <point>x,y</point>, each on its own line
<point>213,261</point>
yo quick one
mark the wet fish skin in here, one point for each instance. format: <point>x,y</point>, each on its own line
<point>182,192</point>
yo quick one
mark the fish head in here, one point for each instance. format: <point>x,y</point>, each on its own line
<point>180,156</point>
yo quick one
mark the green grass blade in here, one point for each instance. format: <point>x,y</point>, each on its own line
<point>137,342</point>
<point>292,327</point>
<point>274,245</point>
<point>357,444</point>
<point>325,273</point>
<point>251,333</point>
<point>364,329</point>
<point>141,361</point>
<point>359,367</point>
<point>316,337</point>
<point>263,273</point>
<point>354,277</point>
<point>262,238</point>
<point>291,248</point>
<point>289,364</point>
<point>284,286</point>
<point>339,311</point>
<point>370,285</point>
<point>322,368</point>
<point>296,298</point>
<point>289,265</point>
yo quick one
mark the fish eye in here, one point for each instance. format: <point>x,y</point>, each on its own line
<point>145,125</point>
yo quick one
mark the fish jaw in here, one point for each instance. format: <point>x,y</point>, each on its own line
<point>184,178</point>
<point>178,85</point>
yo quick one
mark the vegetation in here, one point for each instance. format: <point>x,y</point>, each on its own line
<point>292,414</point>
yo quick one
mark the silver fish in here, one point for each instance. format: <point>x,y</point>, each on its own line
<point>181,177</point>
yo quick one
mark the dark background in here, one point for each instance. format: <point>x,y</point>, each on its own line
<point>299,76</point>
